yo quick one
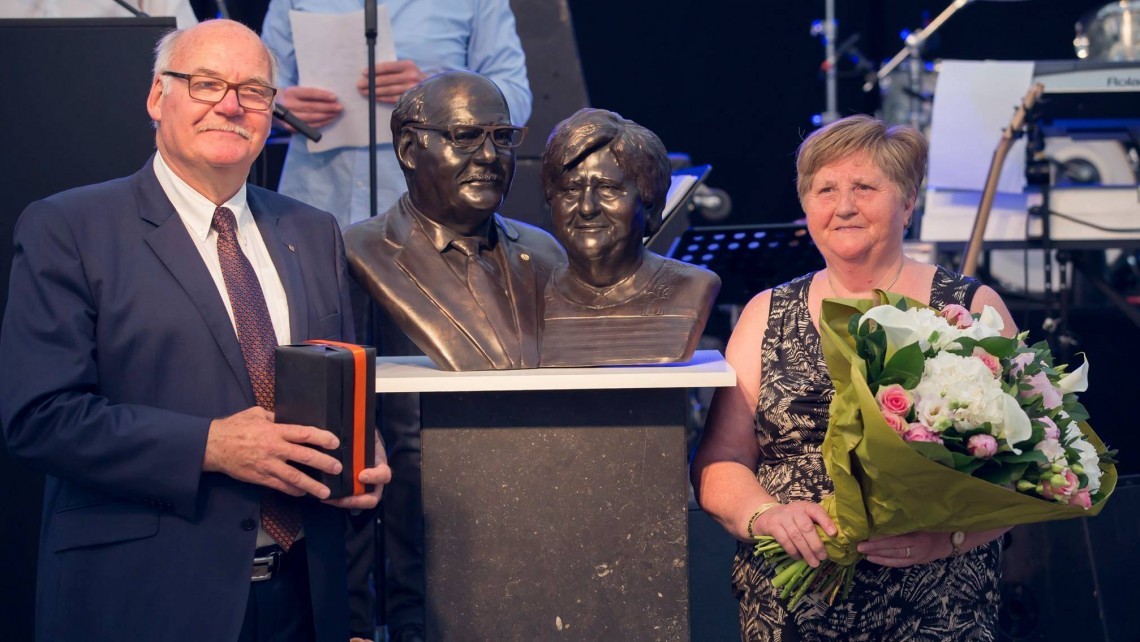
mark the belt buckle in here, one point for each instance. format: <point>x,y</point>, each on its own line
<point>265,566</point>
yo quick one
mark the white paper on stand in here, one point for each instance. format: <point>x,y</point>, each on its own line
<point>973,102</point>
<point>331,54</point>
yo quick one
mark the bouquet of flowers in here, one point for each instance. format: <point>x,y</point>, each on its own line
<point>941,424</point>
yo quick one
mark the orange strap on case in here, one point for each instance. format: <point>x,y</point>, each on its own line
<point>359,403</point>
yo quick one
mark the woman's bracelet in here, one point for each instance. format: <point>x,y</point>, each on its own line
<point>764,508</point>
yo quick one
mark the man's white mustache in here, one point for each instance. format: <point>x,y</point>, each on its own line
<point>228,127</point>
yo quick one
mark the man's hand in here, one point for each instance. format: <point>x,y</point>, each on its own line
<point>392,80</point>
<point>378,475</point>
<point>249,447</point>
<point>315,107</point>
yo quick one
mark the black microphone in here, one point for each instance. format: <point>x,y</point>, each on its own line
<point>287,116</point>
<point>370,19</point>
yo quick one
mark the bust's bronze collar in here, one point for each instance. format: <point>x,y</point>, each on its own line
<point>577,291</point>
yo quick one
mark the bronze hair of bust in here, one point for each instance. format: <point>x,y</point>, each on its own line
<point>464,283</point>
<point>615,302</point>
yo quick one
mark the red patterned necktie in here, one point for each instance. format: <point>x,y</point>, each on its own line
<point>279,517</point>
<point>491,296</point>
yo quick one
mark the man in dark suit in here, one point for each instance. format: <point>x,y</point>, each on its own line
<point>136,371</point>
<point>464,283</point>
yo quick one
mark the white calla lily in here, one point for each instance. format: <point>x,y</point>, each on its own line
<point>991,319</point>
<point>1077,380</point>
<point>1017,427</point>
<point>901,328</point>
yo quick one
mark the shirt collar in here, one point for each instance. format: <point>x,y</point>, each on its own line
<point>195,210</point>
<point>440,236</point>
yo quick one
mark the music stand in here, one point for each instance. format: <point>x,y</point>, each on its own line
<point>749,258</point>
<point>675,218</point>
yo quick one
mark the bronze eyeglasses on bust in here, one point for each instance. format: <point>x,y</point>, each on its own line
<point>472,136</point>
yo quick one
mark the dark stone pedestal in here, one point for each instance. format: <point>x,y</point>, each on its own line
<point>556,514</point>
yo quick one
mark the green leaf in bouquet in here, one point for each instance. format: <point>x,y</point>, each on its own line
<point>904,368</point>
<point>872,349</point>
<point>1043,352</point>
<point>1077,412</point>
<point>934,452</point>
<point>1000,347</point>
<point>966,463</point>
<point>1026,456</point>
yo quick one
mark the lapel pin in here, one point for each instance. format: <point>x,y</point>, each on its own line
<point>291,248</point>
<point>524,256</point>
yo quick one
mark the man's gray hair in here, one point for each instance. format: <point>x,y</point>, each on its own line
<point>164,53</point>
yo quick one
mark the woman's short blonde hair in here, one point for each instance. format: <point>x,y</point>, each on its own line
<point>899,152</point>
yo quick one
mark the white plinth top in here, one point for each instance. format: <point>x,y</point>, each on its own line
<point>707,369</point>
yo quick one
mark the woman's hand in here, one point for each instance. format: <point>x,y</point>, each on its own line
<point>901,551</point>
<point>793,526</point>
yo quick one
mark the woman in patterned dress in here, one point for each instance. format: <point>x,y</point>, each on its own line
<point>758,470</point>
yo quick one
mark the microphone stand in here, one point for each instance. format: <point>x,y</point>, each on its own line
<point>138,13</point>
<point>913,47</point>
<point>370,334</point>
<point>370,38</point>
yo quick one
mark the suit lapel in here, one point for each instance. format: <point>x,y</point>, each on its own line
<point>172,243</point>
<point>417,256</point>
<point>522,285</point>
<point>282,243</point>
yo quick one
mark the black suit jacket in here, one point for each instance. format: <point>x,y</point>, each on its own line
<point>116,354</point>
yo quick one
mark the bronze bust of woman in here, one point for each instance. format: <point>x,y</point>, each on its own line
<point>615,302</point>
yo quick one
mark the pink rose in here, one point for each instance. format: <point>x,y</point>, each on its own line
<point>897,423</point>
<point>1040,384</point>
<point>982,446</point>
<point>957,316</point>
<point>1061,491</point>
<point>1051,429</point>
<point>918,432</point>
<point>894,399</point>
<point>1081,498</point>
<point>992,362</point>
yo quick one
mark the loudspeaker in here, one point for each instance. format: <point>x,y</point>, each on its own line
<point>1075,579</point>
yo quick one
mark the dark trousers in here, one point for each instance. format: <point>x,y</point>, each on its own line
<point>280,609</point>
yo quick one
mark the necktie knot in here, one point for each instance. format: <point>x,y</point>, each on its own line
<point>467,245</point>
<point>224,221</point>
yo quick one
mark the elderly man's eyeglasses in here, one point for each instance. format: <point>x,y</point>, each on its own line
<point>472,136</point>
<point>250,95</point>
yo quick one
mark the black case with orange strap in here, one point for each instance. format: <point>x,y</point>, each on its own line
<point>331,385</point>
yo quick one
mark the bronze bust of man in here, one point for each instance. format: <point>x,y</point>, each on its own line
<point>606,179</point>
<point>464,283</point>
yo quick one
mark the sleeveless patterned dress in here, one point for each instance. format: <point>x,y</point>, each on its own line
<point>947,599</point>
